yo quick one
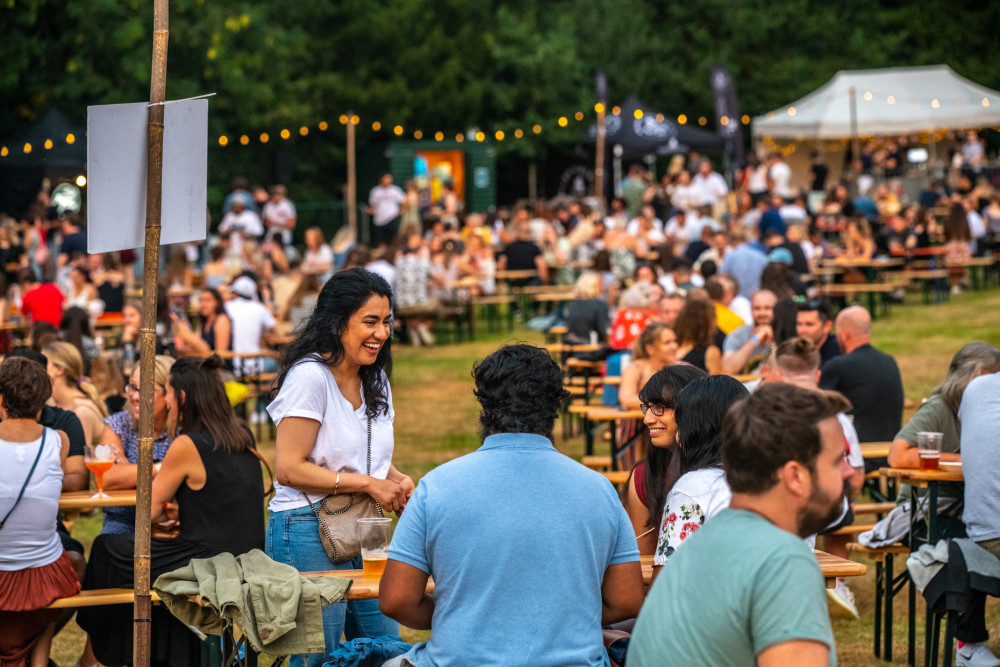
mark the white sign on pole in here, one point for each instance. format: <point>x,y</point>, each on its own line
<point>117,153</point>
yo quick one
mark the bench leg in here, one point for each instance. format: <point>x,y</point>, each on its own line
<point>887,618</point>
<point>911,622</point>
<point>879,588</point>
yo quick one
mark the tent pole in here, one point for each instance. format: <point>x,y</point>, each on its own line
<point>351,195</point>
<point>855,148</point>
<point>147,335</point>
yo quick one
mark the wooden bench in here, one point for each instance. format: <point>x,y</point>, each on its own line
<point>853,291</point>
<point>597,462</point>
<point>491,305</point>
<point>617,477</point>
<point>873,508</point>
<point>853,529</point>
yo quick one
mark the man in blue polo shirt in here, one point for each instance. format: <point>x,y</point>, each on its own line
<point>530,551</point>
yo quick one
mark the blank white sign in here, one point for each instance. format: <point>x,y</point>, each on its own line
<point>117,139</point>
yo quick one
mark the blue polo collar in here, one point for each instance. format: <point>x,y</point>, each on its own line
<point>519,440</point>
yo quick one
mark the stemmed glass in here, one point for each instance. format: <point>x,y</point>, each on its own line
<point>99,459</point>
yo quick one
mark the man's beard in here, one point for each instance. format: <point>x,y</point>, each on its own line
<point>820,511</point>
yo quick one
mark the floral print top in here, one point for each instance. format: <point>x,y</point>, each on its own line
<point>696,497</point>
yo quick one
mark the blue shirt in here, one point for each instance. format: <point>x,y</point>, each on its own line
<point>745,264</point>
<point>517,537</point>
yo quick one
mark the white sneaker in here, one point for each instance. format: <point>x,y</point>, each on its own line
<point>975,655</point>
<point>840,599</point>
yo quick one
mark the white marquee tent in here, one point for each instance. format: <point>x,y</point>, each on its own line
<point>891,101</point>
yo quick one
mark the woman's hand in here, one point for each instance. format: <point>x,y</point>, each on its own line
<point>390,495</point>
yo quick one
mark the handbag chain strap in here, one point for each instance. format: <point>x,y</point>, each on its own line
<point>322,503</point>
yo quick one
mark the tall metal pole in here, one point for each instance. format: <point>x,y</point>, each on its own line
<point>599,147</point>
<point>855,147</point>
<point>352,182</point>
<point>147,337</point>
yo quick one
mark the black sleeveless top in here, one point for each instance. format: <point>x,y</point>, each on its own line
<point>696,357</point>
<point>227,514</point>
<point>113,296</point>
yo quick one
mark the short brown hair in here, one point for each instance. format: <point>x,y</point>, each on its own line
<point>774,425</point>
<point>796,356</point>
<point>24,386</point>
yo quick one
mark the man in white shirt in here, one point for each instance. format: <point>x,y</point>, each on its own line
<point>384,201</point>
<point>780,175</point>
<point>251,320</point>
<point>279,214</point>
<point>240,223</point>
<point>709,185</point>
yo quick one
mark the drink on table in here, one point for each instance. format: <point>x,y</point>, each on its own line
<point>374,534</point>
<point>929,446</point>
<point>99,459</point>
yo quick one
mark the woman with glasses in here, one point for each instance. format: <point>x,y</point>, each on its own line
<point>647,487</point>
<point>121,431</point>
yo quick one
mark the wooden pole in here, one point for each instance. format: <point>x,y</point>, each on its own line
<point>352,179</point>
<point>147,337</point>
<point>855,146</point>
<point>599,160</point>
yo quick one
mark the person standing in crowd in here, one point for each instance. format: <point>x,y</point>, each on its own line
<point>555,511</point>
<point>709,185</point>
<point>334,419</point>
<point>279,214</point>
<point>784,459</point>
<point>35,569</point>
<point>868,378</point>
<point>813,321</point>
<point>214,477</point>
<point>743,349</point>
<point>74,239</point>
<point>744,262</point>
<point>251,320</point>
<point>384,202</point>
<point>241,223</point>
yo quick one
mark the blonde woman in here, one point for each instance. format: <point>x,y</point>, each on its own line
<point>71,391</point>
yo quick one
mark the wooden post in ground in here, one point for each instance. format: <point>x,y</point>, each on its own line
<point>147,337</point>
<point>352,179</point>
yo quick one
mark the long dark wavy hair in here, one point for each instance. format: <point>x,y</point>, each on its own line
<point>343,295</point>
<point>205,405</point>
<point>662,388</point>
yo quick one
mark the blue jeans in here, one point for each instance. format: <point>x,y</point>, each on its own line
<point>293,538</point>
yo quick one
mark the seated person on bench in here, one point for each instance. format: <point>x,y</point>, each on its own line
<point>35,570</point>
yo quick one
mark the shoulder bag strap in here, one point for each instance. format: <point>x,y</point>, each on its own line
<point>267,467</point>
<point>27,480</point>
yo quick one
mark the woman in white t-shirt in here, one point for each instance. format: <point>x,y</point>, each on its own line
<point>333,399</point>
<point>698,487</point>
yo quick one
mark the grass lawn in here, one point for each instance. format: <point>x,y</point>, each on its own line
<point>436,421</point>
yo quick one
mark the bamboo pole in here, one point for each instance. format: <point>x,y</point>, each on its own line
<point>599,160</point>
<point>147,338</point>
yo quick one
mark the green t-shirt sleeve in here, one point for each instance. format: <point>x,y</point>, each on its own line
<point>934,416</point>
<point>788,602</point>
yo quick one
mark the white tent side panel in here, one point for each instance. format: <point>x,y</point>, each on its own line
<point>896,100</point>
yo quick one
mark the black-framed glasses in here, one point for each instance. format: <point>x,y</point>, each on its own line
<point>656,408</point>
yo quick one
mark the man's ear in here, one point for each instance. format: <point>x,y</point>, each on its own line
<point>796,478</point>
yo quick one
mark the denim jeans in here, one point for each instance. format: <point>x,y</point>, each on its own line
<point>293,538</point>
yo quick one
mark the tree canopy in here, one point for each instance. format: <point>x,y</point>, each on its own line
<point>455,65</point>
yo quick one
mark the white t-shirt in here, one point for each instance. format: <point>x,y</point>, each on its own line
<point>276,215</point>
<point>386,202</point>
<point>695,498</point>
<point>250,320</point>
<point>741,306</point>
<point>710,189</point>
<point>781,176</point>
<point>310,391</point>
<point>321,257</point>
<point>29,537</point>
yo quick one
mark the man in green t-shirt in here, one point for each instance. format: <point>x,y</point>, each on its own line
<point>745,589</point>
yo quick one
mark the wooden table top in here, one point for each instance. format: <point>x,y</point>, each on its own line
<point>872,450</point>
<point>917,477</point>
<point>78,500</point>
<point>608,414</point>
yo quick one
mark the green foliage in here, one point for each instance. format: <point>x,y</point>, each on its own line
<point>455,65</point>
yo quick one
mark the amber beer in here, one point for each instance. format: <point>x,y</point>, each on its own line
<point>930,461</point>
<point>373,565</point>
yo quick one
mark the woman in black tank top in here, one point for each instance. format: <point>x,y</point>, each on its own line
<point>212,474</point>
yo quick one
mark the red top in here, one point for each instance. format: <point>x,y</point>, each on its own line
<point>627,326</point>
<point>43,304</point>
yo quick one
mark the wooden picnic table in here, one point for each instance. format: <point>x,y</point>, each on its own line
<point>874,450</point>
<point>79,500</point>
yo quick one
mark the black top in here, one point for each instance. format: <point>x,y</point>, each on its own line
<point>113,296</point>
<point>584,316</point>
<point>871,382</point>
<point>10,261</point>
<point>521,255</point>
<point>829,350</point>
<point>694,250</point>
<point>227,514</point>
<point>696,357</point>
<point>76,242</point>
<point>67,422</point>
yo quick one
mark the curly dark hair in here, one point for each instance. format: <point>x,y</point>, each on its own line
<point>520,390</point>
<point>24,386</point>
<point>342,296</point>
<point>662,388</point>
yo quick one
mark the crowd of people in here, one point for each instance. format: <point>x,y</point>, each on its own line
<point>685,293</point>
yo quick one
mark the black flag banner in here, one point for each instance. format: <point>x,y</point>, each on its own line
<point>727,113</point>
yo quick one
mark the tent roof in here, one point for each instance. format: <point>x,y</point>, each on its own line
<point>53,126</point>
<point>895,100</point>
<point>649,135</point>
